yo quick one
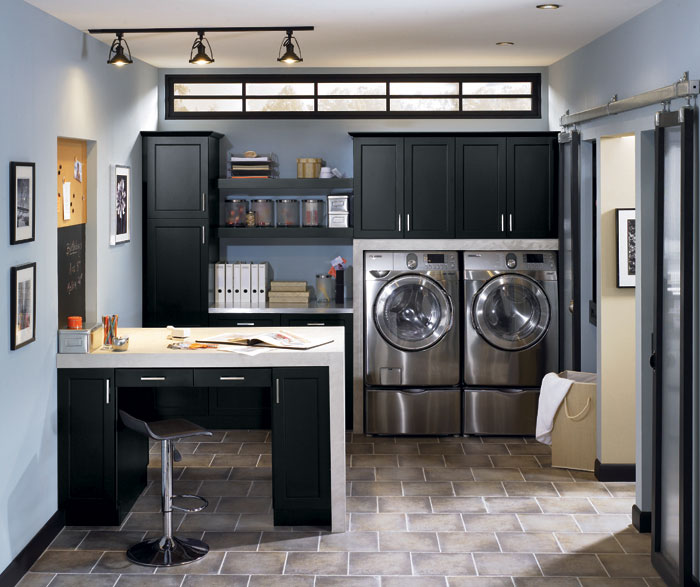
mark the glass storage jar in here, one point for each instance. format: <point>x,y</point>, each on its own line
<point>287,212</point>
<point>235,211</point>
<point>325,288</point>
<point>312,212</point>
<point>264,212</point>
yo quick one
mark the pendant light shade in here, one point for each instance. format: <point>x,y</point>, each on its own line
<point>198,53</point>
<point>287,46</point>
<point>117,56</point>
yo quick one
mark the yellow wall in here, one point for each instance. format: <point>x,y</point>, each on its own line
<point>616,324</point>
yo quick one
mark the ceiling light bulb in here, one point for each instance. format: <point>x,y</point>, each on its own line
<point>116,52</point>
<point>505,43</point>
<point>548,6</point>
<point>288,45</point>
<point>201,57</point>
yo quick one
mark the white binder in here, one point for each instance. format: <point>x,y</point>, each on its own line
<point>254,284</point>
<point>229,284</point>
<point>262,283</point>
<point>236,284</point>
<point>245,284</point>
<point>220,283</point>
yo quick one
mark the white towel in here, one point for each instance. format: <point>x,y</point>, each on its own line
<point>552,393</point>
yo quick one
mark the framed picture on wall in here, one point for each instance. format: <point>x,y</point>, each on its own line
<point>22,200</point>
<point>120,205</point>
<point>23,304</point>
<point>625,222</point>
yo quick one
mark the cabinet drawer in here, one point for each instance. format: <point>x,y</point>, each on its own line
<point>311,321</point>
<point>154,377</point>
<point>232,377</point>
<point>243,320</point>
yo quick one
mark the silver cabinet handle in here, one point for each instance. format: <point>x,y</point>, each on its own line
<point>152,378</point>
<point>107,391</point>
<point>510,222</point>
<point>315,323</point>
<point>204,242</point>
<point>231,378</point>
<point>245,323</point>
<point>408,223</point>
<point>399,222</point>
<point>277,390</point>
<point>204,202</point>
<point>503,222</point>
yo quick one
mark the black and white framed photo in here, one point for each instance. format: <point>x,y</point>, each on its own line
<point>23,300</point>
<point>625,221</point>
<point>120,217</point>
<point>22,201</point>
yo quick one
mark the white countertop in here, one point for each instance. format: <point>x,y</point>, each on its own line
<point>148,348</point>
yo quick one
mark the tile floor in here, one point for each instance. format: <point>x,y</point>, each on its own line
<point>452,512</point>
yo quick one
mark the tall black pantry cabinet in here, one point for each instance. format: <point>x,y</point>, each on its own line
<point>180,173</point>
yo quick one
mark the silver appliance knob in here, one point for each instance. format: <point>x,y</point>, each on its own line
<point>411,261</point>
<point>511,261</point>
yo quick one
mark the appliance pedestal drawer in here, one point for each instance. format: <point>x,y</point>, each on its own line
<point>501,412</point>
<point>413,411</point>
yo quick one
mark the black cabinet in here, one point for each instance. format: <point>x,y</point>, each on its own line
<point>176,272</point>
<point>94,486</point>
<point>234,320</point>
<point>404,188</point>
<point>301,460</point>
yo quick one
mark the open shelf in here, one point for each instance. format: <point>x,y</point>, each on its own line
<point>286,185</point>
<point>263,235</point>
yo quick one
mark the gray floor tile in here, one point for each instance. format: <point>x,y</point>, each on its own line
<point>429,448</point>
<point>548,523</point>
<point>68,540</point>
<point>434,522</point>
<point>546,474</point>
<point>461,461</point>
<point>531,488</point>
<point>256,522</point>
<point>515,564</point>
<point>491,523</point>
<point>574,489</point>
<point>225,488</point>
<point>230,448</point>
<point>202,473</point>
<point>374,460</point>
<point>571,565</point>
<point>216,581</point>
<point>613,505</point>
<point>501,474</point>
<point>286,541</point>
<point>365,488</point>
<point>442,564</point>
<point>421,460</point>
<point>479,488</point>
<point>634,543</point>
<point>604,522</point>
<point>246,435</point>
<point>532,448</point>
<point>468,542</point>
<point>628,565</point>
<point>150,581</point>
<point>82,581</point>
<point>253,563</point>
<point>400,474</point>
<point>349,541</point>
<point>451,474</point>
<point>408,542</point>
<point>284,580</point>
<point>101,540</point>
<point>380,563</point>
<point>527,462</point>
<point>424,581</point>
<point>214,522</point>
<point>42,580</point>
<point>245,541</point>
<point>577,542</point>
<point>366,581</point>
<point>468,505</point>
<point>512,505</point>
<point>479,582</point>
<point>250,474</point>
<point>360,473</point>
<point>528,542</point>
<point>396,449</point>
<point>404,505</point>
<point>427,488</point>
<point>66,561</point>
<point>315,563</point>
<point>485,449</point>
<point>116,562</point>
<point>361,504</point>
<point>242,505</point>
<point>565,505</point>
<point>209,565</point>
<point>378,522</point>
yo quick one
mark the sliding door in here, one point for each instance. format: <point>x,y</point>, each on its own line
<point>675,452</point>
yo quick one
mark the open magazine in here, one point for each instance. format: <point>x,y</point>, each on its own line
<point>277,339</point>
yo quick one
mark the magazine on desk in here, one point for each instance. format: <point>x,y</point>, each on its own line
<point>277,339</point>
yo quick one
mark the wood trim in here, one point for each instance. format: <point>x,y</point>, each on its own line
<point>641,520</point>
<point>615,471</point>
<point>31,553</point>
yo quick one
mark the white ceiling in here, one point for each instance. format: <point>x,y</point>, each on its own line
<point>361,33</point>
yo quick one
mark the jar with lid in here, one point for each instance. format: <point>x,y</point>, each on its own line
<point>264,212</point>
<point>312,212</point>
<point>288,213</point>
<point>325,288</point>
<point>235,211</point>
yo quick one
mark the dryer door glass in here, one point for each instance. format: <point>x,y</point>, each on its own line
<point>413,312</point>
<point>511,312</point>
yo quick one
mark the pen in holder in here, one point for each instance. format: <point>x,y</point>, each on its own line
<point>109,324</point>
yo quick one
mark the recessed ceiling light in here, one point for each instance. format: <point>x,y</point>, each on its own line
<point>548,6</point>
<point>505,43</point>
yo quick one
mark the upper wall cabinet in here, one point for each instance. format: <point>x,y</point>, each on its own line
<point>404,188</point>
<point>181,172</point>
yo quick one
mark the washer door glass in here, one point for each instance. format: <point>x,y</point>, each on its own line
<point>511,312</point>
<point>413,312</point>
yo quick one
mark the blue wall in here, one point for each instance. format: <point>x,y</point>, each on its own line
<point>57,83</point>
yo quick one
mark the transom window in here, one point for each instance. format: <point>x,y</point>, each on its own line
<point>353,96</point>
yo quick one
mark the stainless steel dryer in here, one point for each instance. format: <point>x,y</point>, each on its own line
<point>412,342</point>
<point>511,337</point>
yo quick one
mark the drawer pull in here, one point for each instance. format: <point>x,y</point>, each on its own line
<point>224,378</point>
<point>277,390</point>
<point>152,378</point>
<point>315,323</point>
<point>245,323</point>
<point>107,391</point>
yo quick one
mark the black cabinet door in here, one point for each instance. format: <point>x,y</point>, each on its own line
<point>532,205</point>
<point>301,461</point>
<point>226,320</point>
<point>379,176</point>
<point>481,187</point>
<point>86,446</point>
<point>175,274</point>
<point>429,188</point>
<point>176,174</point>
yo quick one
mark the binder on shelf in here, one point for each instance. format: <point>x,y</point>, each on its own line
<point>245,283</point>
<point>263,280</point>
<point>219,283</point>
<point>254,283</point>
<point>236,284</point>
<point>229,284</point>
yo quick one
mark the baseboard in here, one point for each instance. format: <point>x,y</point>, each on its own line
<point>615,472</point>
<point>641,520</point>
<point>31,553</point>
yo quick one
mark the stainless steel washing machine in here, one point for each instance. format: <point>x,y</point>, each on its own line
<point>511,337</point>
<point>412,343</point>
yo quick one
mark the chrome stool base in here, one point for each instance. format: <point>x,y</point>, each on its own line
<point>167,552</point>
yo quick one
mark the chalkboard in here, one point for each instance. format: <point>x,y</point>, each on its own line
<point>71,273</point>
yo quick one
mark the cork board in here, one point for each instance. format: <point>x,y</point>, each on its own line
<point>72,161</point>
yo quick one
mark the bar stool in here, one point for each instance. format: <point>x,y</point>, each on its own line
<point>168,550</point>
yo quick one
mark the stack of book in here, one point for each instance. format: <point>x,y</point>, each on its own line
<point>288,292</point>
<point>252,167</point>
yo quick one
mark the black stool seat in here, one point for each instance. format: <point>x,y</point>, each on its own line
<point>168,550</point>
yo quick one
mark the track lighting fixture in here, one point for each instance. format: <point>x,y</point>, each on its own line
<point>288,45</point>
<point>201,57</point>
<point>201,52</point>
<point>116,52</point>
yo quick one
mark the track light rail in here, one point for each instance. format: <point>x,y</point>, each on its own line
<point>235,29</point>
